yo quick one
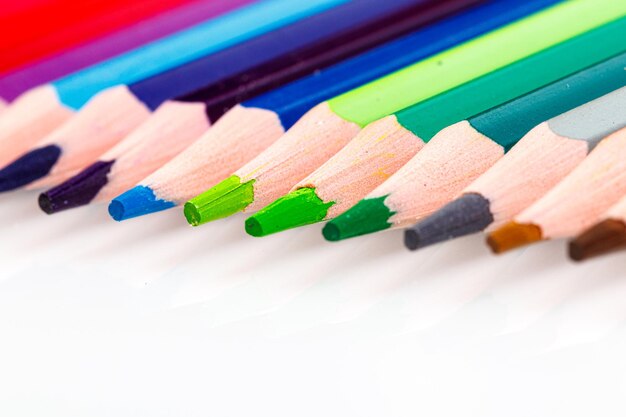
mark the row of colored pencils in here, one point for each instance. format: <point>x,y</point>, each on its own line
<point>444,117</point>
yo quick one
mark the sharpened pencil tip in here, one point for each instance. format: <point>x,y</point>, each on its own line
<point>603,238</point>
<point>225,199</point>
<point>468,214</point>
<point>76,191</point>
<point>367,216</point>
<point>513,235</point>
<point>298,208</point>
<point>29,167</point>
<point>137,201</point>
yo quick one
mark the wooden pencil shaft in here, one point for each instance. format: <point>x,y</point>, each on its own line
<point>293,100</point>
<point>47,69</point>
<point>186,46</point>
<point>289,45</point>
<point>429,117</point>
<point>223,95</point>
<point>489,52</point>
<point>508,123</point>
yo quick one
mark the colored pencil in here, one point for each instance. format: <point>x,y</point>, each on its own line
<point>575,203</point>
<point>72,92</point>
<point>541,159</point>
<point>61,26</point>
<point>16,82</point>
<point>329,126</point>
<point>384,146</point>
<point>305,46</point>
<point>461,152</point>
<point>249,128</point>
<point>606,236</point>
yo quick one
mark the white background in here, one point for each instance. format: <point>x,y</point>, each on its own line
<point>153,318</point>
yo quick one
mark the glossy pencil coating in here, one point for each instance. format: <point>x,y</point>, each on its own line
<point>185,46</point>
<point>47,69</point>
<point>79,23</point>
<point>460,153</point>
<point>382,147</point>
<point>248,129</point>
<point>284,162</point>
<point>505,46</point>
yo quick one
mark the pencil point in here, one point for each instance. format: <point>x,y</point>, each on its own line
<point>225,199</point>
<point>513,235</point>
<point>605,237</point>
<point>29,167</point>
<point>367,216</point>
<point>76,191</point>
<point>467,214</point>
<point>136,202</point>
<point>298,208</point>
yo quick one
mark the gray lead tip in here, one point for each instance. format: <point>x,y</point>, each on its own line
<point>467,214</point>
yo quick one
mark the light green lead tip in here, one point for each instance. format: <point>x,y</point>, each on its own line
<point>225,199</point>
<point>367,216</point>
<point>296,209</point>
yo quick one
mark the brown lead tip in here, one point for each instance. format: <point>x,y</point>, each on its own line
<point>513,235</point>
<point>605,237</point>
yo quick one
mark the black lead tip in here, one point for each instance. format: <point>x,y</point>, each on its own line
<point>466,215</point>
<point>78,190</point>
<point>29,167</point>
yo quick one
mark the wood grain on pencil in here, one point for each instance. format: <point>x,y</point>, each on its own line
<point>575,203</point>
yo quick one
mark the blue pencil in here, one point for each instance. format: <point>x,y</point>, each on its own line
<point>249,128</point>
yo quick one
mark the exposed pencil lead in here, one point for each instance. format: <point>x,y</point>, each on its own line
<point>29,167</point>
<point>367,216</point>
<point>513,235</point>
<point>225,199</point>
<point>298,208</point>
<point>605,237</point>
<point>78,190</point>
<point>136,202</point>
<point>463,216</point>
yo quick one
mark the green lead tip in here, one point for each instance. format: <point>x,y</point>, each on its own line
<point>367,216</point>
<point>298,208</point>
<point>226,198</point>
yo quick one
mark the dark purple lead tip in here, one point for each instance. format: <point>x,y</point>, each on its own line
<point>78,190</point>
<point>29,167</point>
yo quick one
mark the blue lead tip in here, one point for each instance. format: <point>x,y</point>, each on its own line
<point>137,201</point>
<point>29,167</point>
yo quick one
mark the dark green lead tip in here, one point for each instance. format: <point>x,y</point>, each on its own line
<point>367,216</point>
<point>295,209</point>
<point>225,199</point>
